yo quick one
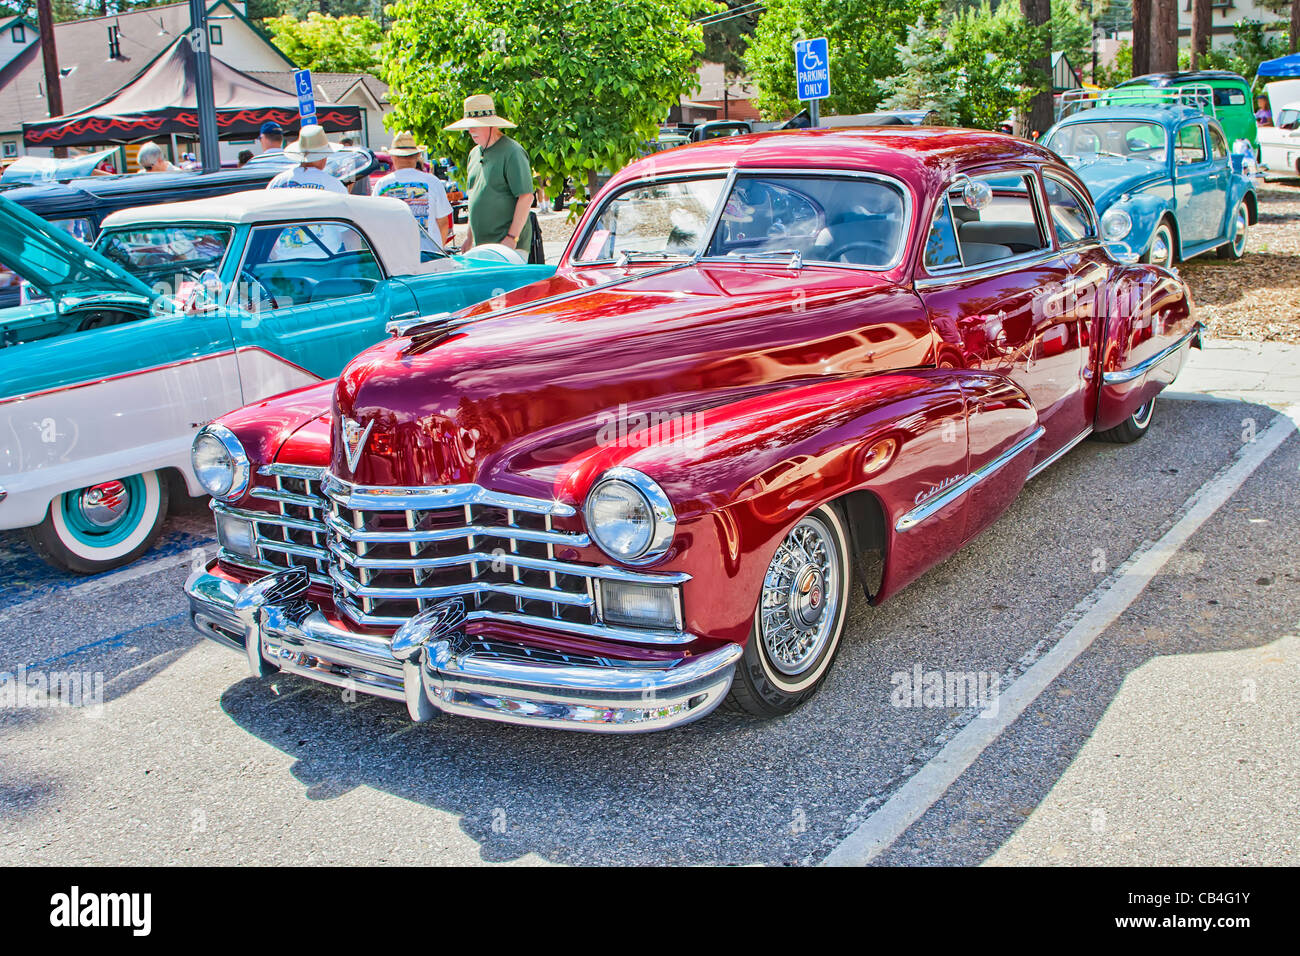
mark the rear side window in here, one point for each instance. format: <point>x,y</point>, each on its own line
<point>1189,146</point>
<point>1218,145</point>
<point>1229,98</point>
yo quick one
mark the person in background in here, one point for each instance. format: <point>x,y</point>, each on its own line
<point>422,192</point>
<point>311,151</point>
<point>244,156</point>
<point>152,159</point>
<point>500,179</point>
<point>271,138</point>
<point>1263,115</point>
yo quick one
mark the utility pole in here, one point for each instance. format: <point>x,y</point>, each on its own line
<point>53,84</point>
<point>209,148</point>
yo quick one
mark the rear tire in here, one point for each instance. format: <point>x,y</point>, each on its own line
<point>1238,226</point>
<point>799,621</point>
<point>96,529</point>
<point>1133,427</point>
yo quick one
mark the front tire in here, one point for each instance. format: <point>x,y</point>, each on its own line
<point>1161,251</point>
<point>95,529</point>
<point>1238,226</point>
<point>1133,427</point>
<point>800,618</point>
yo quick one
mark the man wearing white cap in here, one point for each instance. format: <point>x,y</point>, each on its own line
<point>424,193</point>
<point>310,152</point>
<point>500,179</point>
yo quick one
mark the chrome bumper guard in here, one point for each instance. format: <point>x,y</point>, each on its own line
<point>431,665</point>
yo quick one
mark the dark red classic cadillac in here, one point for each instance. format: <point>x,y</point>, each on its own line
<point>770,371</point>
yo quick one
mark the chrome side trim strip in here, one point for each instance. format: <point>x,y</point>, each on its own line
<point>1128,374</point>
<point>929,507</point>
<point>293,471</point>
<point>1060,451</point>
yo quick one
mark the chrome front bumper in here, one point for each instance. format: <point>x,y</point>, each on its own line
<point>441,669</point>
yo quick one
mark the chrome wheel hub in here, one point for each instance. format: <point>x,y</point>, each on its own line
<point>1160,249</point>
<point>1239,231</point>
<point>800,598</point>
<point>104,504</point>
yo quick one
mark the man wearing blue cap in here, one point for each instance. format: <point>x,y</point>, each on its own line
<point>271,138</point>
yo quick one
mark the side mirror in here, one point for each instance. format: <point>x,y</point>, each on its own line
<point>976,194</point>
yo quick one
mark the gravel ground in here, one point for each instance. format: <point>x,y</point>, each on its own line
<point>1257,297</point>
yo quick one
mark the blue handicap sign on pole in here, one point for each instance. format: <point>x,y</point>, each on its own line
<point>306,97</point>
<point>812,68</point>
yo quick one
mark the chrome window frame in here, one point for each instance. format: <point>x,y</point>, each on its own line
<point>1051,250</point>
<point>821,172</point>
<point>1085,202</point>
<point>729,177</point>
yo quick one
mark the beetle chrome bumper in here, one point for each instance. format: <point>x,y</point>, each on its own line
<point>441,669</point>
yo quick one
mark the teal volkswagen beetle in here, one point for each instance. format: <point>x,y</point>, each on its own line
<point>180,313</point>
<point>1163,177</point>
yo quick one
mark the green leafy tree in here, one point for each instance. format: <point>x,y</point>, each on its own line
<point>326,44</point>
<point>926,79</point>
<point>1252,44</point>
<point>587,83</point>
<point>991,49</point>
<point>1072,31</point>
<point>863,34</point>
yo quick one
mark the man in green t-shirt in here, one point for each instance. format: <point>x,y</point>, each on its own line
<point>499,177</point>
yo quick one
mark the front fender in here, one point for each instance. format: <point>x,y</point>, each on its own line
<point>1146,212</point>
<point>741,475</point>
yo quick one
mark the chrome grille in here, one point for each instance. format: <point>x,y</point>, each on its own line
<point>392,561</point>
<point>389,553</point>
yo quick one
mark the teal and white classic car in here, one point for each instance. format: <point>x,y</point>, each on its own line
<point>178,314</point>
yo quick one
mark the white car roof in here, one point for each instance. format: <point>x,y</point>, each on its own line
<point>387,223</point>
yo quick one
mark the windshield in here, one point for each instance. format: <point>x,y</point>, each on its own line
<point>843,220</point>
<point>1126,139</point>
<point>161,253</point>
<point>1288,119</point>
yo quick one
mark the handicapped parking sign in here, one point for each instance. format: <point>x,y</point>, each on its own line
<point>306,97</point>
<point>812,68</point>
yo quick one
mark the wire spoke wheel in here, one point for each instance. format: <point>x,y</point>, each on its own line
<point>800,598</point>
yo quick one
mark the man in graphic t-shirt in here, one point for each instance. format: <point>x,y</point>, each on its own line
<point>310,152</point>
<point>424,193</point>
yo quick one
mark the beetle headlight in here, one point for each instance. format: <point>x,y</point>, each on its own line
<point>1115,224</point>
<point>219,462</point>
<point>629,516</point>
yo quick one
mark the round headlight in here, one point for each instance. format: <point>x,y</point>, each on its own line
<point>629,516</point>
<point>1115,225</point>
<point>219,462</point>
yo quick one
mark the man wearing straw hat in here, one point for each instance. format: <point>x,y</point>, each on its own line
<point>423,192</point>
<point>310,152</point>
<point>500,179</point>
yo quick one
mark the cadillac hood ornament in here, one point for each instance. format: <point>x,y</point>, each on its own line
<point>354,439</point>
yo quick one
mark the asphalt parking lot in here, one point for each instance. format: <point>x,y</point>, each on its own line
<point>1167,738</point>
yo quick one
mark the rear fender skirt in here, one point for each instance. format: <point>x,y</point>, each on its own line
<point>1148,322</point>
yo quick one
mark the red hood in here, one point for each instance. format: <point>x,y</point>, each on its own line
<point>519,391</point>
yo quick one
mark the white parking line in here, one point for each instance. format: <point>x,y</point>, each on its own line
<point>112,580</point>
<point>1091,617</point>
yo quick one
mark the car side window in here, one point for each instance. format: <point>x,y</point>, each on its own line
<point>1218,145</point>
<point>1189,146</point>
<point>1004,227</point>
<point>1071,215</point>
<point>303,263</point>
<point>1229,97</point>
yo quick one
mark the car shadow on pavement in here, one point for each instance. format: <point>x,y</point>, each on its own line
<point>734,789</point>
